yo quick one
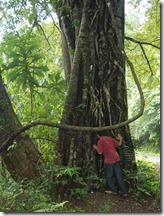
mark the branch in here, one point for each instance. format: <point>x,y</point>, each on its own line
<point>146,58</point>
<point>55,24</point>
<point>39,26</point>
<point>140,42</point>
<point>140,113</point>
<point>144,53</point>
<point>10,140</point>
<point>138,86</point>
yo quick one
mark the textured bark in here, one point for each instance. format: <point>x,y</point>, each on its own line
<point>96,83</point>
<point>22,159</point>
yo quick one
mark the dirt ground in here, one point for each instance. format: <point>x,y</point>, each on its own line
<point>102,202</point>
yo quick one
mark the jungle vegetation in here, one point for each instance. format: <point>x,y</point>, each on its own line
<point>68,69</point>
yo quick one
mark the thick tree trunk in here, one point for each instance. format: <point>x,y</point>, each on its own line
<point>96,80</point>
<point>22,159</point>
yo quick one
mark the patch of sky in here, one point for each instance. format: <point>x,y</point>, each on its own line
<point>138,11</point>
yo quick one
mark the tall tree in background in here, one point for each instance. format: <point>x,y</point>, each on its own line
<point>93,43</point>
<point>22,159</point>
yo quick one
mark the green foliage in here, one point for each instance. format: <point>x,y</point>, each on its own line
<point>29,195</point>
<point>95,182</point>
<point>90,184</point>
<point>24,60</point>
<point>33,75</point>
<point>16,198</point>
<point>27,14</point>
<point>147,149</point>
<point>71,178</point>
<point>76,184</point>
<point>56,207</point>
<point>67,171</point>
<point>125,154</point>
<point>35,92</point>
<point>50,207</point>
<point>106,207</point>
<point>147,180</point>
<point>33,196</point>
<point>146,129</point>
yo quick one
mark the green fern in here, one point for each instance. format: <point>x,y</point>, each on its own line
<point>51,207</point>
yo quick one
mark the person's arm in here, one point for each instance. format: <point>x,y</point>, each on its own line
<point>119,137</point>
<point>96,148</point>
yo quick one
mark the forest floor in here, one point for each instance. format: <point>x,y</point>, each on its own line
<point>108,203</point>
<point>97,202</point>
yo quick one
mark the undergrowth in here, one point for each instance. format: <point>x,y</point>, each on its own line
<point>29,197</point>
<point>147,181</point>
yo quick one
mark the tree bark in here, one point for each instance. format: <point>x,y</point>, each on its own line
<point>22,159</point>
<point>96,95</point>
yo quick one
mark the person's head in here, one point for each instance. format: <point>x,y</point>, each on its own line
<point>100,133</point>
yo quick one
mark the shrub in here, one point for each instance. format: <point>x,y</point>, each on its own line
<point>147,180</point>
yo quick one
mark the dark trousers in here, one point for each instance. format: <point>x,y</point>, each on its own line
<point>112,171</point>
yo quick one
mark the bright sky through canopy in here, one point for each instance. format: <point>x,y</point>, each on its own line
<point>130,12</point>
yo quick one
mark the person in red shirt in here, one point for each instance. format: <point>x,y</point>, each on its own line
<point>107,146</point>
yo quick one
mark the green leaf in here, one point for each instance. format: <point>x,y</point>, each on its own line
<point>13,75</point>
<point>13,64</point>
<point>62,84</point>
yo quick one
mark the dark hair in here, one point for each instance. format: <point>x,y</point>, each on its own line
<point>101,133</point>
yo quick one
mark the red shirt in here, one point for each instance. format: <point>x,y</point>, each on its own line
<point>106,146</point>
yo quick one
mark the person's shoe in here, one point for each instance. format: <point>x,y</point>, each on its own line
<point>123,194</point>
<point>110,192</point>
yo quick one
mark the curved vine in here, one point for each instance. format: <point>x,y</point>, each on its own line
<point>10,140</point>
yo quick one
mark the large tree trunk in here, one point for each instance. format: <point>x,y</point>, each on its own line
<point>93,35</point>
<point>22,159</point>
